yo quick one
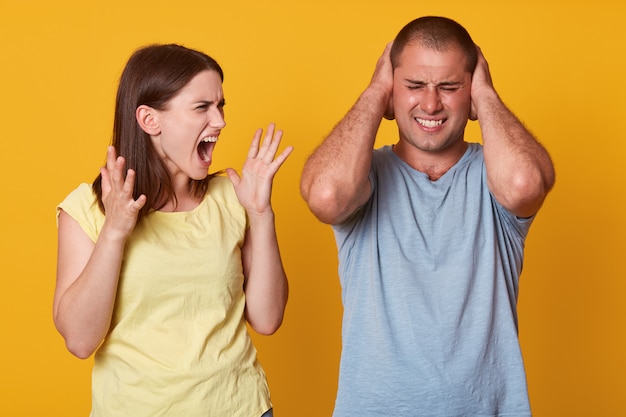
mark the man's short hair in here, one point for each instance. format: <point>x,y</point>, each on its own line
<point>438,33</point>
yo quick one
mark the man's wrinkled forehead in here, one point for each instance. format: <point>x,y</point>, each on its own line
<point>417,47</point>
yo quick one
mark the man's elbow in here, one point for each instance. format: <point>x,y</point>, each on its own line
<point>333,204</point>
<point>527,194</point>
<point>326,206</point>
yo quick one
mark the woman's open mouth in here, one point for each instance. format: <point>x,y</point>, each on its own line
<point>205,148</point>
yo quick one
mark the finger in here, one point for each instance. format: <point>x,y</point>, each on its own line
<point>269,135</point>
<point>389,113</point>
<point>139,203</point>
<point>114,162</point>
<point>115,167</point>
<point>387,51</point>
<point>280,159</point>
<point>273,147</point>
<point>104,171</point>
<point>129,183</point>
<point>473,116</point>
<point>479,51</point>
<point>106,181</point>
<point>111,156</point>
<point>254,145</point>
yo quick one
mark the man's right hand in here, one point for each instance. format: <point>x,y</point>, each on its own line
<point>383,79</point>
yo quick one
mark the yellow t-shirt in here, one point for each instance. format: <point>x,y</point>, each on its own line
<point>178,343</point>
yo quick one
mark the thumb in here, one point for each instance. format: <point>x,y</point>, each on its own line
<point>233,176</point>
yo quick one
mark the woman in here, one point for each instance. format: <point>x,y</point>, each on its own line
<point>161,287</point>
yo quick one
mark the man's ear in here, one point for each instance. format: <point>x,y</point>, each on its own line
<point>148,120</point>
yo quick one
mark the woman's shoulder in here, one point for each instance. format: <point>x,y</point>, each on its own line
<point>81,204</point>
<point>221,188</point>
<point>221,204</point>
<point>82,195</point>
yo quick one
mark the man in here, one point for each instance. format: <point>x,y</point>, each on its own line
<point>430,233</point>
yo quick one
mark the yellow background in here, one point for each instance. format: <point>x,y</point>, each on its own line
<point>560,65</point>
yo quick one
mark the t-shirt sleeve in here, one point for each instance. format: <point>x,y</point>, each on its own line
<point>521,225</point>
<point>81,205</point>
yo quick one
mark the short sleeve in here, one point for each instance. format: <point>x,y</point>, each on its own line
<point>81,205</point>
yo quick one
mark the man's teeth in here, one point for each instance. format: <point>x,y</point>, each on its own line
<point>429,123</point>
<point>210,139</point>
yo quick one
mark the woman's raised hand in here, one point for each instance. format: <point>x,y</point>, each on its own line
<point>254,186</point>
<point>121,209</point>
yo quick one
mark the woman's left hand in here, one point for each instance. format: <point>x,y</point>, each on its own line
<point>254,186</point>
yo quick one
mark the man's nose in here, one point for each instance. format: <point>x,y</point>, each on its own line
<point>430,102</point>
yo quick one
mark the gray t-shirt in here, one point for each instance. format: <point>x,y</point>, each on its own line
<point>429,273</point>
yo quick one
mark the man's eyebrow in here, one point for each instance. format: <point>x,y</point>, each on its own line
<point>415,82</point>
<point>450,83</point>
<point>440,84</point>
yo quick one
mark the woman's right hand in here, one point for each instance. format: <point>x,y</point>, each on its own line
<point>121,209</point>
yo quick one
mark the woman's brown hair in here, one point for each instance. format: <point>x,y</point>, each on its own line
<point>153,76</point>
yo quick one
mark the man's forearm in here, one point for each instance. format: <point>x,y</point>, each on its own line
<point>519,170</point>
<point>335,177</point>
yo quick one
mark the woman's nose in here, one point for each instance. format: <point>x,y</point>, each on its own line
<point>216,118</point>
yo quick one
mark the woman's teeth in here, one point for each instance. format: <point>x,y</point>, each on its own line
<point>205,150</point>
